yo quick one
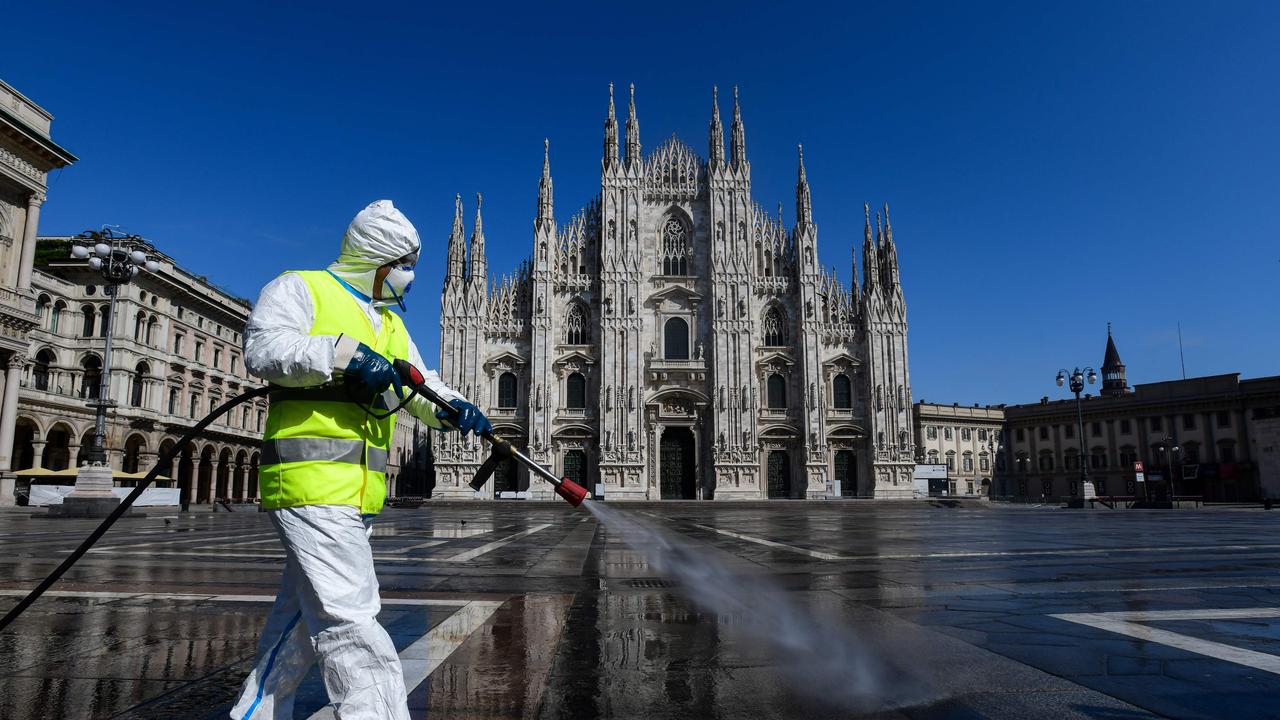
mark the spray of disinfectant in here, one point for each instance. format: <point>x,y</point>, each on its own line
<point>822,654</point>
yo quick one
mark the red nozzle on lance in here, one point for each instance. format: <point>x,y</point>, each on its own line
<point>572,492</point>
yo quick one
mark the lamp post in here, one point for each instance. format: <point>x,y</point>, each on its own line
<point>118,258</point>
<point>1077,379</point>
<point>1169,446</point>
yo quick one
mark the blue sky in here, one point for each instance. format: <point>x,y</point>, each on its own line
<point>1050,167</point>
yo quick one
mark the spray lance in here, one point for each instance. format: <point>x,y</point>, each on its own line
<point>572,492</point>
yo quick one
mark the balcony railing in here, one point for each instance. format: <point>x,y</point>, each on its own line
<point>19,304</point>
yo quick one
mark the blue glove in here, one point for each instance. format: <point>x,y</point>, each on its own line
<point>469,419</point>
<point>368,373</point>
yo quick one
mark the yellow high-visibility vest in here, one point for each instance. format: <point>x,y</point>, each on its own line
<point>320,447</point>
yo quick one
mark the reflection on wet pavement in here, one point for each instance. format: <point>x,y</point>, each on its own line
<point>163,621</point>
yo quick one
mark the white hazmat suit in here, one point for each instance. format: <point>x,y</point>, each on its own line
<point>328,603</point>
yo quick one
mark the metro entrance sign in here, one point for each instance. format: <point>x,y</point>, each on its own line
<point>1139,475</point>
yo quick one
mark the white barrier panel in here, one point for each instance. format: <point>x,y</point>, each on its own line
<point>43,495</point>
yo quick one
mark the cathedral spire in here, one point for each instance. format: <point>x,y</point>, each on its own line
<point>611,134</point>
<point>479,263</point>
<point>546,211</point>
<point>870,263</point>
<point>457,265</point>
<point>890,252</point>
<point>804,204</point>
<point>738,143</point>
<point>633,132</point>
<point>716,140</point>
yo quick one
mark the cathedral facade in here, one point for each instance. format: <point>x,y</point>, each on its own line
<point>674,340</point>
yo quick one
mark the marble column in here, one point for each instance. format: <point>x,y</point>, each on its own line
<point>8,421</point>
<point>29,241</point>
<point>37,454</point>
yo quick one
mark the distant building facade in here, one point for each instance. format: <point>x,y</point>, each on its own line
<point>1227,430</point>
<point>176,356</point>
<point>966,440</point>
<point>27,155</point>
<point>675,340</point>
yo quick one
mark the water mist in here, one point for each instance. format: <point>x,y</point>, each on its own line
<point>821,655</point>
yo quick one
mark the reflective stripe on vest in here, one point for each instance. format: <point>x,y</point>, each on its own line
<point>290,450</point>
<point>319,447</point>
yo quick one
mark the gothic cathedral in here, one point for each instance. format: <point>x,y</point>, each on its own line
<point>674,340</point>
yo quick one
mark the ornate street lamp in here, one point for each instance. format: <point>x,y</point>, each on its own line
<point>118,258</point>
<point>1169,446</point>
<point>1078,378</point>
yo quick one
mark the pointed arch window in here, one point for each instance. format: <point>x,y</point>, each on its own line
<point>675,339</point>
<point>775,327</point>
<point>842,392</point>
<point>507,391</point>
<point>575,391</point>
<point>777,391</point>
<point>576,331</point>
<point>677,247</point>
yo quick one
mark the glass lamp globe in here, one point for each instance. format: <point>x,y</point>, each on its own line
<point>79,252</point>
<point>152,266</point>
<point>102,250</point>
<point>95,263</point>
<point>137,257</point>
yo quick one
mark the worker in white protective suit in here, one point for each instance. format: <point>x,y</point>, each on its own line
<point>326,341</point>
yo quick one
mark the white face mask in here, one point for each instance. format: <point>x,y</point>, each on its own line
<point>396,285</point>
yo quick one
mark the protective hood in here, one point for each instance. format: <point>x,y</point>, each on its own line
<point>378,235</point>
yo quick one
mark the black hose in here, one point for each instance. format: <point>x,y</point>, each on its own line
<point>125,504</point>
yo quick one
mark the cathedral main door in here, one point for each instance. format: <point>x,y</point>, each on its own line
<point>506,477</point>
<point>676,466</point>
<point>779,474</point>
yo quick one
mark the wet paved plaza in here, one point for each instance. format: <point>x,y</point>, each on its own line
<point>508,610</point>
